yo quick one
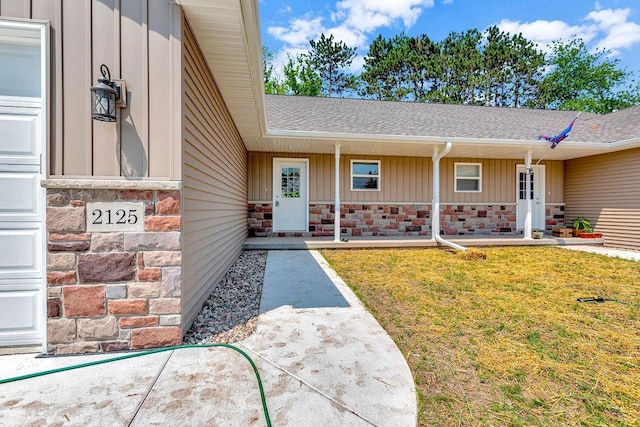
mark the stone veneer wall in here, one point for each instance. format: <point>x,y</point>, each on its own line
<point>400,220</point>
<point>113,290</point>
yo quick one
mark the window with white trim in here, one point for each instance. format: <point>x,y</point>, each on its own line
<point>468,177</point>
<point>365,175</point>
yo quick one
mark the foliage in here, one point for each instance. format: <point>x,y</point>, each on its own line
<point>300,78</point>
<point>582,223</point>
<point>271,83</point>
<point>582,81</point>
<point>490,68</point>
<point>502,340</point>
<point>329,58</point>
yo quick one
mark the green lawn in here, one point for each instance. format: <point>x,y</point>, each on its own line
<point>501,339</point>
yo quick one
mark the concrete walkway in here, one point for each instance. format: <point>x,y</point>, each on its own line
<point>323,359</point>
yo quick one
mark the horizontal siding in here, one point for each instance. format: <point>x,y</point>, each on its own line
<point>606,190</point>
<point>404,179</point>
<point>137,40</point>
<point>215,184</point>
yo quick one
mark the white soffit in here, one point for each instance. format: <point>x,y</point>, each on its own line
<point>228,34</point>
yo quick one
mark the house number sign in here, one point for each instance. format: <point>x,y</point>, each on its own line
<point>115,216</point>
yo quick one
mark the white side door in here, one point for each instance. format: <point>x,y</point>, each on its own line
<point>537,197</point>
<point>22,138</point>
<point>290,195</point>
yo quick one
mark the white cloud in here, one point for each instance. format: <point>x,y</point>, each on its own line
<point>608,29</point>
<point>368,15</point>
<point>619,32</point>
<point>299,31</point>
<point>447,1</point>
<point>284,8</point>
<point>349,36</point>
<point>543,33</point>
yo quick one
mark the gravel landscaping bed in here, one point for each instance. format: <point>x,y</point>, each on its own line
<point>231,312</point>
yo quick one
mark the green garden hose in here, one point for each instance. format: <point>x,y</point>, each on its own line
<point>146,353</point>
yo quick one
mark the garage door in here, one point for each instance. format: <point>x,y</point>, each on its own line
<point>22,130</point>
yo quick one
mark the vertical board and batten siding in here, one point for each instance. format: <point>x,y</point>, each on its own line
<point>214,184</point>
<point>606,190</point>
<point>139,40</point>
<point>403,179</point>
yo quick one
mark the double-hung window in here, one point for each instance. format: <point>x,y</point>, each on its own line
<point>365,175</point>
<point>468,177</point>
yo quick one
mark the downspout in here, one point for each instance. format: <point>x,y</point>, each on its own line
<point>435,221</point>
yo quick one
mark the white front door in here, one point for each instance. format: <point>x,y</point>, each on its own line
<point>537,197</point>
<point>290,195</point>
<point>22,136</point>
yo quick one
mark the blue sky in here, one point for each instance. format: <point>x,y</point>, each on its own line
<point>288,25</point>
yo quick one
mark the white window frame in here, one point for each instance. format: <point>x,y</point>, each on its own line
<point>456,177</point>
<point>379,175</point>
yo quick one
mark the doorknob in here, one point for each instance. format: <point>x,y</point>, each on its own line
<point>277,203</point>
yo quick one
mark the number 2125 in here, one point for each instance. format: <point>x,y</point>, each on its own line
<point>121,216</point>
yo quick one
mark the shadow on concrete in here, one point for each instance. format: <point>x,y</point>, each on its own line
<point>294,278</point>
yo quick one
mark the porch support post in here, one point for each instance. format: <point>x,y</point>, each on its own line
<point>336,216</point>
<point>435,205</point>
<point>527,219</point>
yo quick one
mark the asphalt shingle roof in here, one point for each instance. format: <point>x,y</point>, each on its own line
<point>367,117</point>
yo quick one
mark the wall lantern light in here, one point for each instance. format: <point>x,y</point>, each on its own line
<point>106,96</point>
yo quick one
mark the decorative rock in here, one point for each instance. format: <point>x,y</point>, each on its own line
<point>171,281</point>
<point>152,241</point>
<point>168,203</point>
<point>170,320</point>
<point>116,291</point>
<point>162,258</point>
<point>96,329</point>
<point>164,306</point>
<point>53,308</point>
<point>144,290</point>
<point>57,198</point>
<point>106,268</point>
<point>77,347</point>
<point>155,337</point>
<point>136,194</point>
<point>66,219</point>
<point>149,274</point>
<point>83,301</point>
<point>137,322</point>
<point>61,277</point>
<point>107,242</point>
<point>128,306</point>
<point>162,223</point>
<point>231,312</point>
<point>68,247</point>
<point>61,262</point>
<point>61,331</point>
<point>114,345</point>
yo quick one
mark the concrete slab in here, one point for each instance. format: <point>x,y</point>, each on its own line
<point>102,395</point>
<point>611,252</point>
<point>323,359</point>
<point>342,353</point>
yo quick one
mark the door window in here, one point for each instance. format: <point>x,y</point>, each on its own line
<point>20,62</point>
<point>290,182</point>
<point>522,186</point>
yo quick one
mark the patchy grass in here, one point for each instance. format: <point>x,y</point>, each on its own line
<point>501,339</point>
